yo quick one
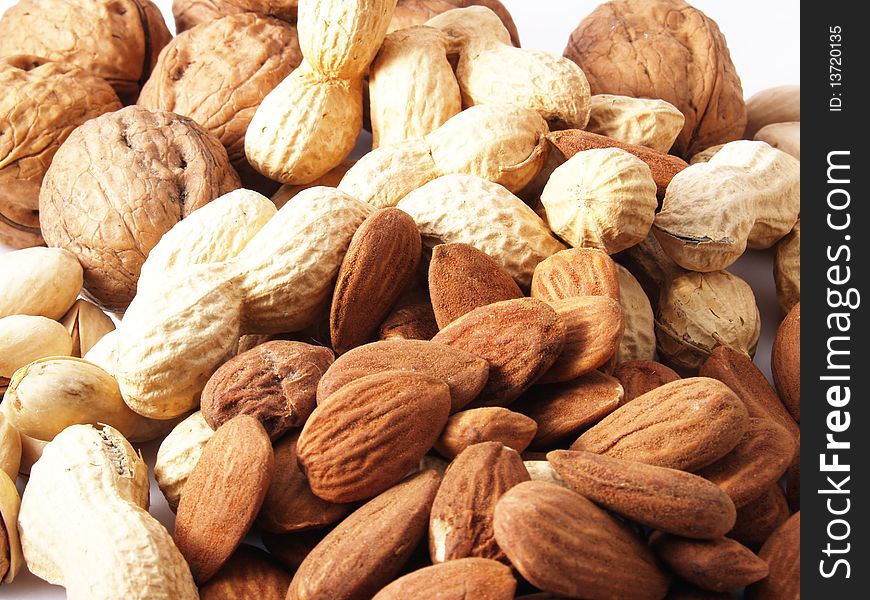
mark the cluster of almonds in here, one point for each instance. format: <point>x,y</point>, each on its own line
<point>426,373</point>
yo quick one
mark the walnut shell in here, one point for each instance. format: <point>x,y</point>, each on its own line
<point>409,13</point>
<point>118,40</point>
<point>669,50</point>
<point>190,13</point>
<point>120,182</point>
<point>41,104</point>
<point>218,73</point>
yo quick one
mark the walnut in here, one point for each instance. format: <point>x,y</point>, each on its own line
<point>121,181</point>
<point>190,13</point>
<point>409,13</point>
<point>118,40</point>
<point>218,73</point>
<point>669,50</point>
<point>42,102</point>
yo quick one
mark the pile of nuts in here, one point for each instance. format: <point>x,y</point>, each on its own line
<point>499,356</point>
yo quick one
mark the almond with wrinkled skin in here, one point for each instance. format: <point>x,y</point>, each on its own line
<point>460,524</point>
<point>487,424</point>
<point>593,330</point>
<point>576,272</point>
<point>759,518</point>
<point>371,433</point>
<point>687,592</point>
<point>477,578</point>
<point>380,262</point>
<point>368,548</point>
<point>759,459</point>
<point>641,376</point>
<point>415,321</point>
<point>782,551</point>
<point>462,278</point>
<point>785,361</point>
<point>793,481</point>
<point>665,499</point>
<point>564,409</point>
<point>521,339</point>
<point>717,565</point>
<point>249,573</point>
<point>463,372</point>
<point>290,505</point>
<point>223,495</point>
<point>290,549</point>
<point>657,428</point>
<point>563,544</point>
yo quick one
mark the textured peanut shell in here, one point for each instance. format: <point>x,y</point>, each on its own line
<point>409,13</point>
<point>24,338</point>
<point>39,281</point>
<point>787,269</point>
<point>746,196</point>
<point>783,136</point>
<point>471,210</point>
<point>669,50</point>
<point>479,578</point>
<point>646,122</point>
<point>178,454</point>
<point>638,337</point>
<point>98,475</point>
<point>10,447</point>
<point>117,41</point>
<point>11,558</point>
<point>779,104</point>
<point>487,424</point>
<point>86,324</point>
<point>717,565</point>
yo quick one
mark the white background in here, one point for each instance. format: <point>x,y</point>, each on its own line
<point>764,40</point>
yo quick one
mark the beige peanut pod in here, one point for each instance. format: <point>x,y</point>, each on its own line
<point>772,105</point>
<point>10,504</point>
<point>178,455</point>
<point>305,126</point>
<point>86,324</point>
<point>784,136</point>
<point>639,337</point>
<point>46,282</point>
<point>477,212</point>
<point>10,447</point>
<point>412,88</point>
<point>112,548</point>
<point>646,122</point>
<point>288,268</point>
<point>24,338</point>
<point>787,269</point>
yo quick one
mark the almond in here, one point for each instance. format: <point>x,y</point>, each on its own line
<point>793,481</point>
<point>275,382</point>
<point>464,372</point>
<point>686,424</point>
<point>760,517</point>
<point>520,339</point>
<point>576,272</point>
<point>461,521</point>
<point>290,549</point>
<point>290,505</point>
<point>665,499</point>
<point>223,495</point>
<point>462,278</point>
<point>717,565</point>
<point>593,330</point>
<point>562,410</point>
<point>462,579</point>
<point>782,551</point>
<point>785,361</point>
<point>371,433</point>
<point>380,262</point>
<point>414,321</point>
<point>487,424</point>
<point>368,548</point>
<point>685,591</point>
<point>249,573</point>
<point>563,544</point>
<point>759,459</point>
<point>641,376</point>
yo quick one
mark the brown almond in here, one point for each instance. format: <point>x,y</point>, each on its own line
<point>663,166</point>
<point>760,517</point>
<point>223,495</point>
<point>684,591</point>
<point>465,373</point>
<point>461,521</point>
<point>290,549</point>
<point>368,549</point>
<point>462,579</point>
<point>520,339</point>
<point>641,376</point>
<point>593,331</point>
<point>717,565</point>
<point>686,424</point>
<point>665,499</point>
<point>380,262</point>
<point>563,544</point>
<point>759,459</point>
<point>290,505</point>
<point>487,424</point>
<point>562,410</point>
<point>782,551</point>
<point>409,322</point>
<point>793,481</point>
<point>275,382</point>
<point>736,370</point>
<point>249,573</point>
<point>785,361</point>
<point>371,433</point>
<point>576,272</point>
<point>462,278</point>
